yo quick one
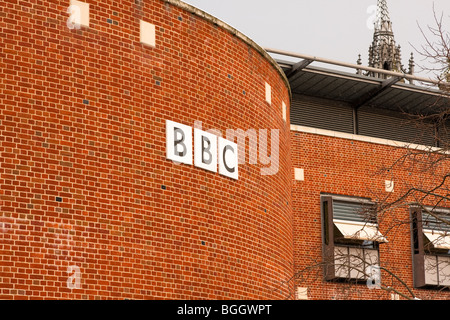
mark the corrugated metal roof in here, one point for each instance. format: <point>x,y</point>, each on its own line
<point>360,90</point>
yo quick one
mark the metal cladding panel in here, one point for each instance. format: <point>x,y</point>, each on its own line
<point>385,126</point>
<point>321,114</point>
<point>444,136</point>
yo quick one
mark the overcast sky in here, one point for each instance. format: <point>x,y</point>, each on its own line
<point>333,29</point>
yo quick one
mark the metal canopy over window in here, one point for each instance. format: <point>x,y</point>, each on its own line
<point>359,231</point>
<point>356,220</point>
<point>437,231</point>
<point>438,239</point>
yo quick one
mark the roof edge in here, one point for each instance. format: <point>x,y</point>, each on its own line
<point>208,17</point>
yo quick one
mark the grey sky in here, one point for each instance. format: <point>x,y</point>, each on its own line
<point>333,29</point>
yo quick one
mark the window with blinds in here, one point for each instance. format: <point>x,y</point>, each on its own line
<point>354,211</point>
<point>430,235</point>
<point>439,222</point>
<point>350,237</point>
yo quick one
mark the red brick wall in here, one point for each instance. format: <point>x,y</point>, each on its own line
<point>83,175</point>
<point>351,168</point>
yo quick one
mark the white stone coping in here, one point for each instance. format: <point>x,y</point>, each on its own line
<point>356,137</point>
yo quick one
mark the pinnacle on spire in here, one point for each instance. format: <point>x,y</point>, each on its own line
<point>383,11</point>
<point>384,53</point>
<point>383,21</point>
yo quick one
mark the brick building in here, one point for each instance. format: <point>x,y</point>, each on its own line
<point>369,180</point>
<point>150,151</point>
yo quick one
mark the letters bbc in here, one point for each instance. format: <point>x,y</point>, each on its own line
<point>205,150</point>
<point>209,151</point>
<point>228,158</point>
<point>178,142</point>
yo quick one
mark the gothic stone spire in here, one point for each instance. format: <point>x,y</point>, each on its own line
<point>384,53</point>
<point>383,21</point>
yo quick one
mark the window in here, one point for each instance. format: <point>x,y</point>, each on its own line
<point>430,228</point>
<point>350,237</point>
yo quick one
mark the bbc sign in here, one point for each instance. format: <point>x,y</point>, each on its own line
<point>209,151</point>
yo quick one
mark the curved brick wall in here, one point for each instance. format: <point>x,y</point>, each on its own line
<point>87,193</point>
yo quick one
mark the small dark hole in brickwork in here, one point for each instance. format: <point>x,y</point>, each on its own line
<point>203,243</point>
<point>163,187</point>
<point>58,199</point>
<point>86,101</point>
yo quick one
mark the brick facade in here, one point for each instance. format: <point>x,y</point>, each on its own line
<point>91,208</point>
<point>87,193</point>
<point>353,168</point>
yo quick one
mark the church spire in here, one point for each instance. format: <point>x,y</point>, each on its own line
<point>384,53</point>
<point>383,21</point>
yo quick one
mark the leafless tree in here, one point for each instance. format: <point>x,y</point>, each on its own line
<point>430,165</point>
<point>422,174</point>
<point>436,50</point>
